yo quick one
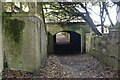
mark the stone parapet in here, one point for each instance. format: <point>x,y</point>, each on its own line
<point>107,48</point>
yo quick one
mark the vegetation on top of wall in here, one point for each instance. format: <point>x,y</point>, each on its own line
<point>118,24</point>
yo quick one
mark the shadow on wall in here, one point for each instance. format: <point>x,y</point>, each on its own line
<point>66,47</point>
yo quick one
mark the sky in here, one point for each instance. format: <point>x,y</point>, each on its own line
<point>96,10</point>
<point>112,13</point>
<point>96,18</point>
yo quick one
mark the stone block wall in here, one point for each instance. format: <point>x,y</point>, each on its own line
<point>50,43</point>
<point>106,48</point>
<point>1,52</point>
<point>24,41</point>
<point>29,53</point>
<point>54,28</point>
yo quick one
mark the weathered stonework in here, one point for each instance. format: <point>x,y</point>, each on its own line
<point>50,43</point>
<point>79,28</point>
<point>106,48</point>
<point>28,50</point>
<point>1,44</point>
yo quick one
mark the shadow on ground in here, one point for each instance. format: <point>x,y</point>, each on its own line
<point>66,49</point>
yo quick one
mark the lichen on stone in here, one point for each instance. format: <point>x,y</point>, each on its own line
<point>13,28</point>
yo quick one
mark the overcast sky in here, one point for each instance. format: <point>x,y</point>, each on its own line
<point>112,13</point>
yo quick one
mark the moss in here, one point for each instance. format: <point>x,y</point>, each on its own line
<point>12,31</point>
<point>13,28</point>
<point>86,29</point>
<point>118,24</point>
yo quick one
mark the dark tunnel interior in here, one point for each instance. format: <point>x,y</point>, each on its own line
<point>67,48</point>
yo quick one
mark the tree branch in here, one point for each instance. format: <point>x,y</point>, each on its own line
<point>108,15</point>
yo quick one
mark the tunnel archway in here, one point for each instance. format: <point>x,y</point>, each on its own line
<point>70,46</point>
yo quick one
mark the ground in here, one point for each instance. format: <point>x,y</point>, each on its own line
<point>69,66</point>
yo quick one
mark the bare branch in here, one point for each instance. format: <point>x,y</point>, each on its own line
<point>108,15</point>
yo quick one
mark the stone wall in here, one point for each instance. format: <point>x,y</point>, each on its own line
<point>106,48</point>
<point>50,43</point>
<point>25,40</point>
<point>1,52</point>
<point>80,28</point>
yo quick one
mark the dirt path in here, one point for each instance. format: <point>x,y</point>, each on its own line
<point>74,66</point>
<point>77,66</point>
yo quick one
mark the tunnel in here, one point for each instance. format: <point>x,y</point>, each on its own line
<point>67,42</point>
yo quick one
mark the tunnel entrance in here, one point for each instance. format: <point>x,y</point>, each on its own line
<point>67,42</point>
<point>62,38</point>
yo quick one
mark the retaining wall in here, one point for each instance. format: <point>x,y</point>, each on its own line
<point>24,40</point>
<point>106,48</point>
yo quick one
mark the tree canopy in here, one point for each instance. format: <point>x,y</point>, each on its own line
<point>67,11</point>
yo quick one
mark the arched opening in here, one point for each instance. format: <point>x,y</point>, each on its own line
<point>63,38</point>
<point>67,42</point>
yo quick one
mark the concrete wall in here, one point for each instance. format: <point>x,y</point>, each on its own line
<point>29,52</point>
<point>88,41</point>
<point>50,43</point>
<point>1,52</point>
<point>43,43</point>
<point>106,48</point>
<point>80,28</point>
